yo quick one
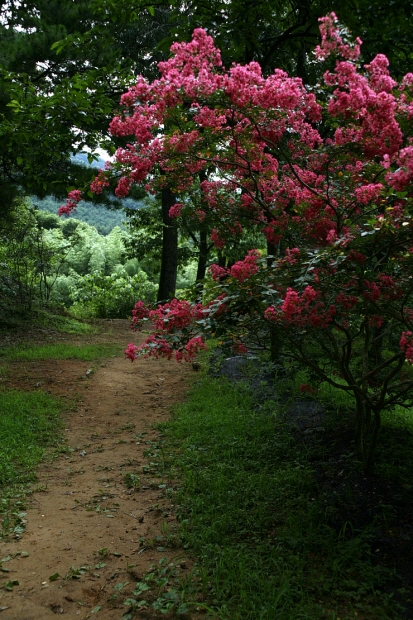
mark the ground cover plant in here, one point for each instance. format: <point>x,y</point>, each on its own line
<point>282,520</point>
<point>29,423</point>
<point>59,351</point>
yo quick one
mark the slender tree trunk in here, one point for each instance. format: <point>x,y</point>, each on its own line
<point>203,236</point>
<point>271,252</point>
<point>222,260</point>
<point>169,262</point>
<point>203,255</point>
<point>275,335</point>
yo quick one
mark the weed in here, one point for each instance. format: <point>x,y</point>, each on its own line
<point>132,481</point>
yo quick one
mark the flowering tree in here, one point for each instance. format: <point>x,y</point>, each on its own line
<point>326,179</point>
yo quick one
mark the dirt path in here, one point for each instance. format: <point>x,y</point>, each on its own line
<point>89,502</point>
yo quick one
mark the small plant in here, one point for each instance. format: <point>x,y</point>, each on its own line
<point>77,573</point>
<point>132,481</point>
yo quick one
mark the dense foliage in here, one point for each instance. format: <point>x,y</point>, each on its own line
<point>324,175</point>
<point>49,262</point>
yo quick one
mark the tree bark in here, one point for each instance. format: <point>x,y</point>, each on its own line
<point>203,255</point>
<point>169,261</point>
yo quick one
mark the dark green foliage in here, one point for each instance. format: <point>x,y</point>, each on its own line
<point>111,296</point>
<point>267,528</point>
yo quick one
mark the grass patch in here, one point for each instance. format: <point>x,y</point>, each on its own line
<point>46,320</point>
<point>60,351</point>
<point>252,512</point>
<point>29,423</point>
<point>69,325</point>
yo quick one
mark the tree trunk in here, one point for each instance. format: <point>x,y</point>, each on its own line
<point>203,255</point>
<point>169,262</point>
<point>367,431</point>
<point>271,252</point>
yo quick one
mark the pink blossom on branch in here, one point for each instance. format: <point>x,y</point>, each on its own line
<point>406,345</point>
<point>72,200</point>
<point>332,41</point>
<point>175,210</point>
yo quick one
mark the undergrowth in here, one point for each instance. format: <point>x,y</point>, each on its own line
<point>45,320</point>
<point>59,351</point>
<point>29,425</point>
<point>253,513</point>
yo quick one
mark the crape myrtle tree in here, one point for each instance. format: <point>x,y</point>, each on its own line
<point>325,175</point>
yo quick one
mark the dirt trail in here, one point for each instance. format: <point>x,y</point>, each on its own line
<point>87,504</point>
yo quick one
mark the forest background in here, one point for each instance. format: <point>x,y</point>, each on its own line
<point>63,68</point>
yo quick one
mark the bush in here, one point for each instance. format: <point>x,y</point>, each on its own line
<point>110,297</point>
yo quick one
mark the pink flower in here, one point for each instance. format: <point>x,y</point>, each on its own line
<point>193,346</point>
<point>175,210</point>
<point>406,345</point>
<point>99,183</point>
<point>239,348</point>
<point>217,272</point>
<point>72,200</point>
<point>242,270</point>
<point>130,352</point>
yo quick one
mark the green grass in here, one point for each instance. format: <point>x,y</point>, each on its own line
<point>249,512</point>
<point>60,351</point>
<point>29,424</point>
<point>46,320</point>
<point>68,325</point>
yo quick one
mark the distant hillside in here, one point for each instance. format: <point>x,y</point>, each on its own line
<point>96,215</point>
<point>99,216</point>
<point>82,158</point>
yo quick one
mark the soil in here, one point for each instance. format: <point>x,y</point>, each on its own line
<point>88,498</point>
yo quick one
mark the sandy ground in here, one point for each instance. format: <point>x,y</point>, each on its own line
<point>84,502</point>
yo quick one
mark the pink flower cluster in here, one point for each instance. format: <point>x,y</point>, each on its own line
<point>239,348</point>
<point>130,351</point>
<point>332,42</point>
<point>294,304</point>
<point>244,269</point>
<point>241,270</point>
<point>168,317</point>
<point>99,183</point>
<point>403,176</point>
<point>302,310</point>
<point>384,287</point>
<point>168,340</point>
<point>175,210</point>
<point>406,344</point>
<point>72,200</point>
<point>368,193</point>
<point>157,346</point>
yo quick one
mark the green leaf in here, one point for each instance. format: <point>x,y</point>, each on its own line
<point>54,577</point>
<point>9,584</point>
<point>96,609</point>
<point>151,10</point>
